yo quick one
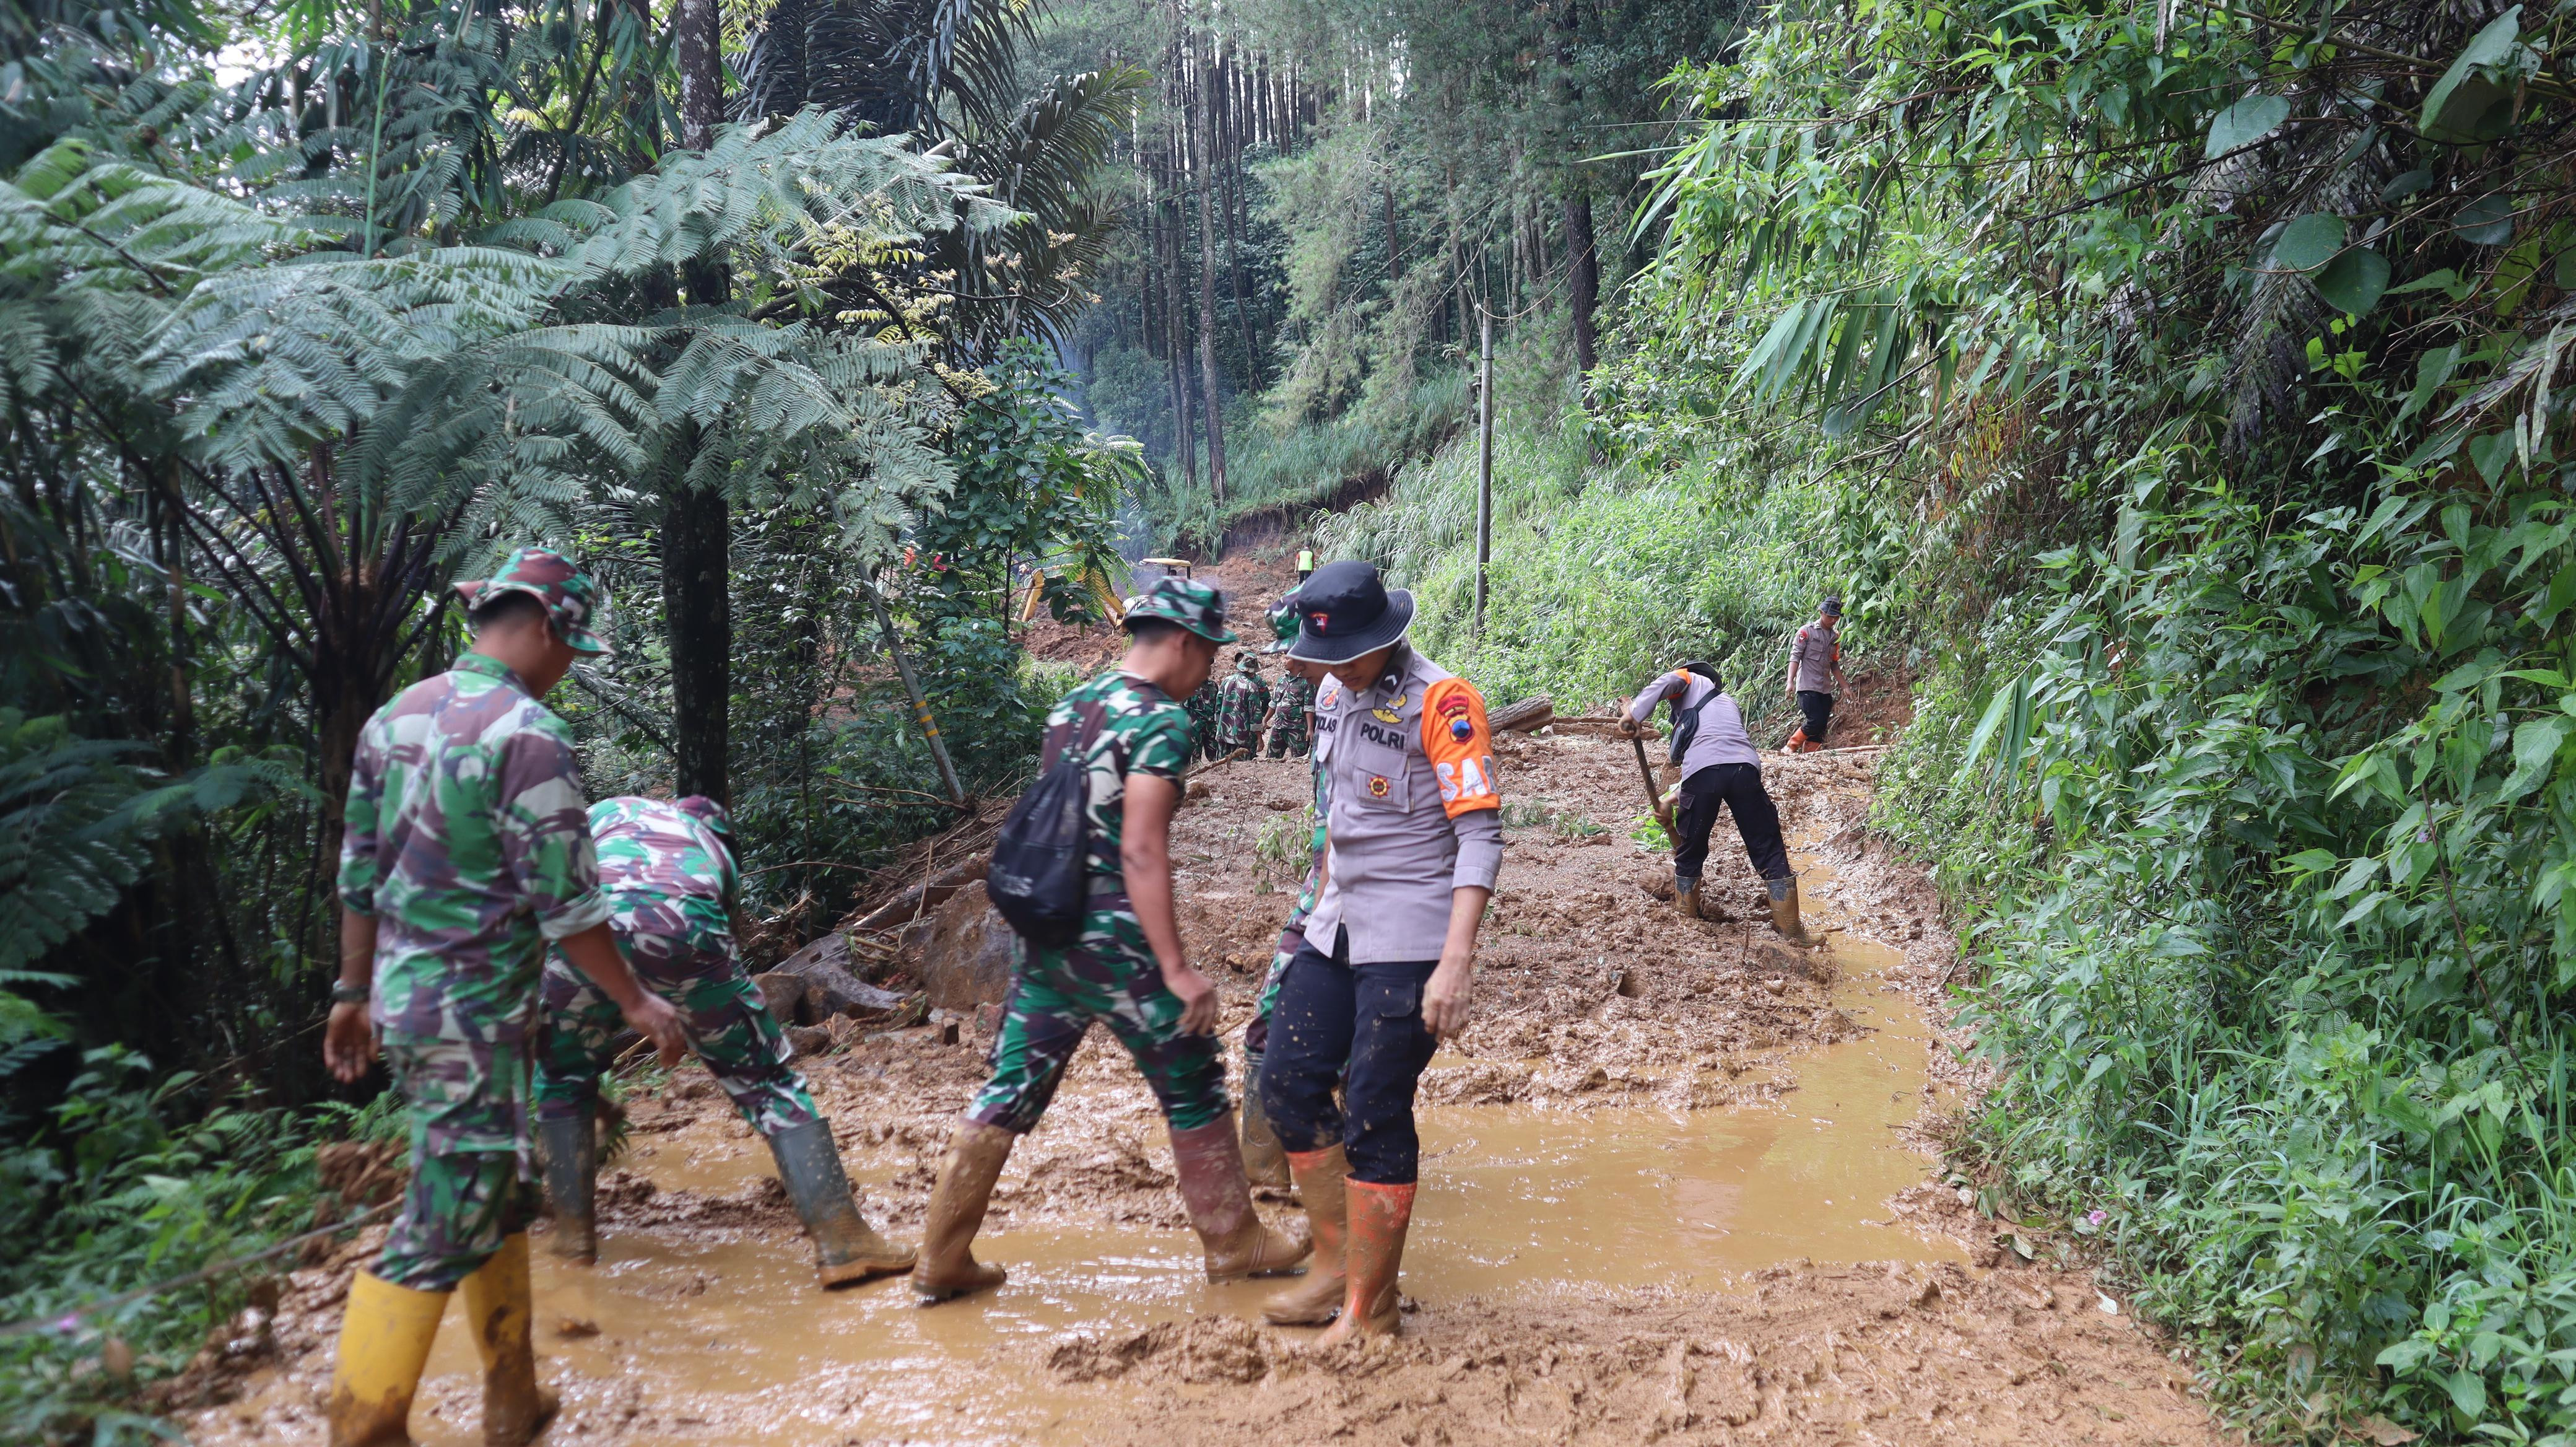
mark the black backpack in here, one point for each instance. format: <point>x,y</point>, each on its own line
<point>1686,722</point>
<point>1036,879</point>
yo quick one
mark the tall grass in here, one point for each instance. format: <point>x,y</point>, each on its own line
<point>1269,469</point>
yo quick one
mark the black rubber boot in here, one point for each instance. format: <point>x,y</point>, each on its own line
<point>847,1250</point>
<point>570,1149</point>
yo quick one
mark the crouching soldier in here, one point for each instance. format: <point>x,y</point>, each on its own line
<point>464,852</point>
<point>1720,769</point>
<point>668,873</point>
<point>1413,842</point>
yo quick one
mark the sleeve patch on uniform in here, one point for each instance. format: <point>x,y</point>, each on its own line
<point>1460,746</point>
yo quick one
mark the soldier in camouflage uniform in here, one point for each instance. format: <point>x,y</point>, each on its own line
<point>464,850</point>
<point>1292,714</point>
<point>668,872</point>
<point>1202,710</point>
<point>1264,1160</point>
<point>1240,706</point>
<point>1124,970</point>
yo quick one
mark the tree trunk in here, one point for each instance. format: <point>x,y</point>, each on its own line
<point>1583,277</point>
<point>697,608</point>
<point>1213,397</point>
<point>1175,353</point>
<point>697,523</point>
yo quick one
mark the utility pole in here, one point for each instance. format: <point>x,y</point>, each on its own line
<point>920,705</point>
<point>1484,455</point>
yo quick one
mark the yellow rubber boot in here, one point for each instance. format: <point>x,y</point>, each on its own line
<point>1312,1301</point>
<point>385,1333</point>
<point>500,1310</point>
<point>1784,909</point>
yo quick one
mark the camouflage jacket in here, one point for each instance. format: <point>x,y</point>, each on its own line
<point>665,873</point>
<point>1202,716</point>
<point>465,839</point>
<point>1138,729</point>
<point>1240,707</point>
<point>1293,698</point>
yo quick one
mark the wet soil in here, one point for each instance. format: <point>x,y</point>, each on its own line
<point>1680,1182</point>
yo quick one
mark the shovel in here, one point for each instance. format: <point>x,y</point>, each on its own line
<point>1654,796</point>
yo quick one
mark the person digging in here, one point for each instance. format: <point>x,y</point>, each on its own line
<point>1720,769</point>
<point>668,872</point>
<point>1413,843</point>
<point>1125,970</point>
<point>464,851</point>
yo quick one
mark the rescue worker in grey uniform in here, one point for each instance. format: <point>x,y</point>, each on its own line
<point>1720,768</point>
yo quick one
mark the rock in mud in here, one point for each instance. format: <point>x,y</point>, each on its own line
<point>784,995</point>
<point>966,960</point>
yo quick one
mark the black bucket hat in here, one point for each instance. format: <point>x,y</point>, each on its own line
<point>1346,611</point>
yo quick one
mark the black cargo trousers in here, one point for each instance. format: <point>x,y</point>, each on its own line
<point>1737,787</point>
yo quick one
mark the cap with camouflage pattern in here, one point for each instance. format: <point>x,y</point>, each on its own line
<point>1283,624</point>
<point>569,596</point>
<point>1246,662</point>
<point>1193,605</point>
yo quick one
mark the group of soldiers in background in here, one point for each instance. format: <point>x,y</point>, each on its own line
<point>1239,714</point>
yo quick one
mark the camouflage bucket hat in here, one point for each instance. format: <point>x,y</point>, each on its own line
<point>1245,662</point>
<point>1193,605</point>
<point>570,598</point>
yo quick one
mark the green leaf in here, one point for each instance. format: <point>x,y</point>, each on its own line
<point>2244,123</point>
<point>2468,1392</point>
<point>2461,97</point>
<point>2309,242</point>
<point>2535,750</point>
<point>2487,221</point>
<point>2492,453</point>
<point>2354,281</point>
<point>2442,280</point>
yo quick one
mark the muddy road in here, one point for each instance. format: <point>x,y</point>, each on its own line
<point>1679,1185</point>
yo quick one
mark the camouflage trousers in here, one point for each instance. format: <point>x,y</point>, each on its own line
<point>1290,735</point>
<point>720,1010</point>
<point>471,1161</point>
<point>1056,995</point>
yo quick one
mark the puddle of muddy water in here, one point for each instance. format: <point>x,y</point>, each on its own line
<point>727,1342</point>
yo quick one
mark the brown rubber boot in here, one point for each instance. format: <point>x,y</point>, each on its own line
<point>499,1308</point>
<point>1210,1165</point>
<point>847,1250</point>
<point>947,1266</point>
<point>1370,1304</point>
<point>1784,909</point>
<point>1313,1301</point>
<point>1265,1163</point>
<point>1686,897</point>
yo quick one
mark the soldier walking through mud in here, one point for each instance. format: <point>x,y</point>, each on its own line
<point>1125,970</point>
<point>1202,708</point>
<point>1413,842</point>
<point>668,872</point>
<point>1241,705</point>
<point>464,851</point>
<point>1720,768</point>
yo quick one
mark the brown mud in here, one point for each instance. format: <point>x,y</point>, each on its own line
<point>1679,1183</point>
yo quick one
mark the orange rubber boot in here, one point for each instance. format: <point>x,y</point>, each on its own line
<point>1320,1179</point>
<point>1373,1257</point>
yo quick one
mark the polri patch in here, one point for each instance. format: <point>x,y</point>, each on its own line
<point>1461,729</point>
<point>1378,786</point>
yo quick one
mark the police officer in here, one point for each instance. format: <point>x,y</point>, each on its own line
<point>1720,768</point>
<point>1815,676</point>
<point>464,851</point>
<point>1126,969</point>
<point>1413,842</point>
<point>668,872</point>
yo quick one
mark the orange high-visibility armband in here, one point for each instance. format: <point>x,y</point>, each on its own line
<point>1460,746</point>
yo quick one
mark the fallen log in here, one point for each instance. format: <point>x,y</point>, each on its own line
<point>1534,712</point>
<point>924,897</point>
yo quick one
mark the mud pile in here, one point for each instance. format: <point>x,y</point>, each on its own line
<point>1635,1158</point>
